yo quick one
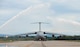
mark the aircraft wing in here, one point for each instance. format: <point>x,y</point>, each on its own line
<point>53,33</point>
<point>25,34</point>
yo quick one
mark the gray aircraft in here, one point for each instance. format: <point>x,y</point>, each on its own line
<point>40,35</point>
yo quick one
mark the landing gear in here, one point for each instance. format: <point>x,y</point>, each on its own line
<point>40,39</point>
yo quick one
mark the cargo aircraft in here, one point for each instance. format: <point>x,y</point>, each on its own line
<point>40,35</point>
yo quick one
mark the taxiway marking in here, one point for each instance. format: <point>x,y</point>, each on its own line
<point>43,45</point>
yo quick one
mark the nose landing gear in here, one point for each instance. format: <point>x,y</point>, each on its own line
<point>40,39</point>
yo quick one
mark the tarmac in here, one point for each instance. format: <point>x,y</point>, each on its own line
<point>43,44</point>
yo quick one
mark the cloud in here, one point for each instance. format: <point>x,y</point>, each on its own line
<point>18,4</point>
<point>71,4</point>
<point>69,21</point>
<point>6,11</point>
<point>6,14</point>
<point>59,1</point>
<point>62,25</point>
<point>62,14</point>
<point>35,1</point>
<point>23,19</point>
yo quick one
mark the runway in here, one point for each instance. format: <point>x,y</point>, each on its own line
<point>44,44</point>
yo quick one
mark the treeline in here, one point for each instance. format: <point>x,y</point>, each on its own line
<point>65,38</point>
<point>16,38</point>
<point>32,38</point>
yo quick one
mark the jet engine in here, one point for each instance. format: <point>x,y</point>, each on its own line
<point>52,35</point>
<point>44,33</point>
<point>35,32</point>
<point>26,35</point>
<point>19,36</point>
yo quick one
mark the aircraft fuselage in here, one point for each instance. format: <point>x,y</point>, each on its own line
<point>40,36</point>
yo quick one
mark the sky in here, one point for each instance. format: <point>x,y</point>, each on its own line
<point>18,16</point>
